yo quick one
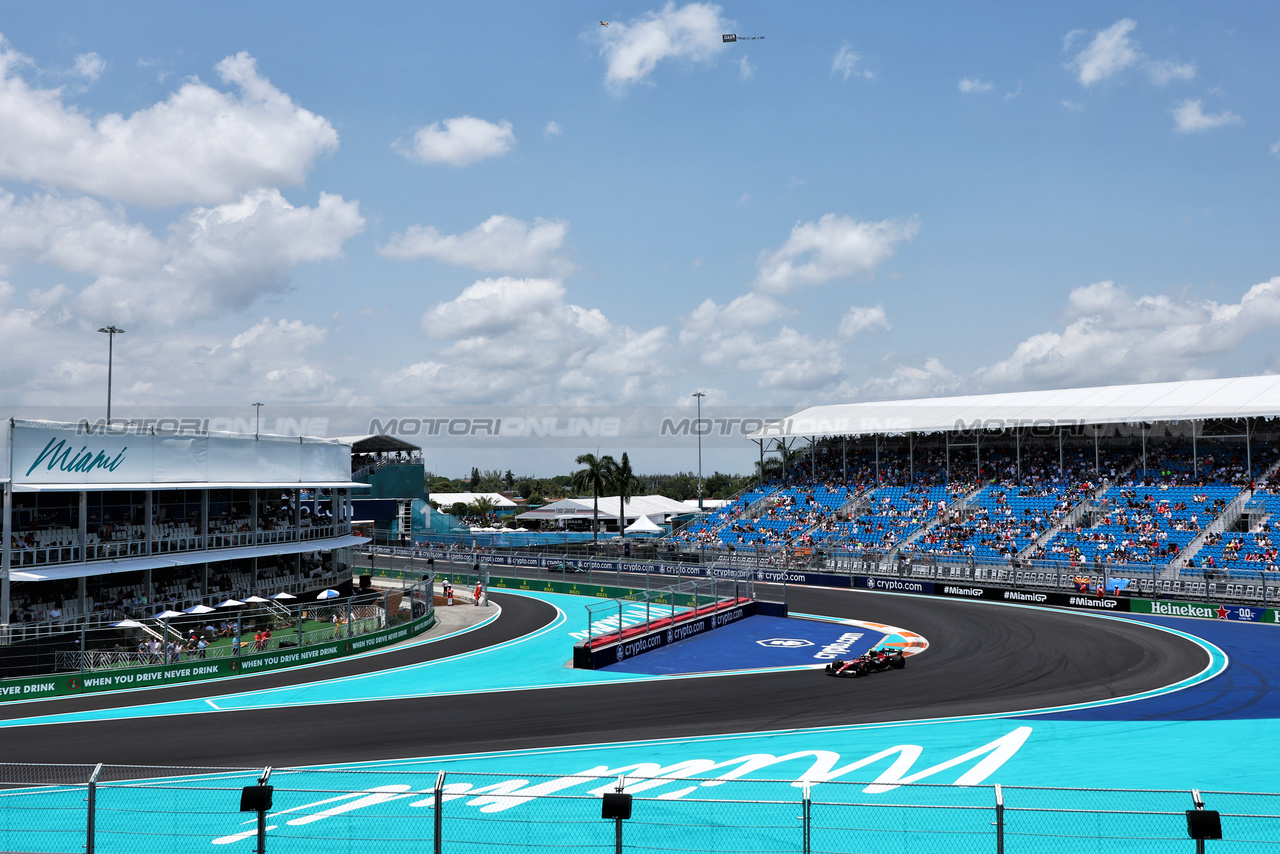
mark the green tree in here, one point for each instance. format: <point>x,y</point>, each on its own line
<point>595,477</point>
<point>623,481</point>
<point>509,480</point>
<point>483,507</point>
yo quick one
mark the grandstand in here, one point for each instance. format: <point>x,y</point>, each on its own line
<point>103,524</point>
<point>1170,483</point>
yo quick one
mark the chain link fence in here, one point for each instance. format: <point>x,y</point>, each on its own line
<point>407,808</point>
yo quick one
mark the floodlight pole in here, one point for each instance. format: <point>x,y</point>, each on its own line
<point>697,428</point>
<point>111,331</point>
<point>257,418</point>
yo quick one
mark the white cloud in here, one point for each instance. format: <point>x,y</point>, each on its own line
<point>1110,51</point>
<point>211,260</point>
<point>495,306</point>
<point>791,360</point>
<point>745,71</point>
<point>631,51</point>
<point>304,382</point>
<point>859,319</point>
<point>500,244</point>
<point>746,312</point>
<point>462,141</point>
<point>833,247</point>
<point>907,381</point>
<point>518,340</point>
<point>552,129</point>
<point>279,338</point>
<point>1275,147</point>
<point>1113,336</point>
<point>974,84</point>
<point>1164,71</point>
<point>198,146</point>
<point>90,65</point>
<point>848,64</point>
<point>1189,116</point>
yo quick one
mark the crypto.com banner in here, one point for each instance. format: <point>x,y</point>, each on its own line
<point>431,427</point>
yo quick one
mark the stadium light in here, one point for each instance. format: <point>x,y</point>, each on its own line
<point>697,428</point>
<point>112,332</point>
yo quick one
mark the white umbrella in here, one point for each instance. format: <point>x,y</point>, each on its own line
<point>164,615</point>
<point>127,624</point>
<point>198,609</point>
<point>230,603</point>
<point>328,594</point>
<point>256,599</point>
<point>284,596</point>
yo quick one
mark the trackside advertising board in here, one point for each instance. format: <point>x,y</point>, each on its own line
<point>991,594</point>
<point>887,584</point>
<point>1206,611</point>
<point>593,658</point>
<point>673,570</point>
<point>197,670</point>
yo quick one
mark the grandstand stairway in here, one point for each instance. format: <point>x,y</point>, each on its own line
<point>957,509</point>
<point>1072,518</point>
<point>1225,520</point>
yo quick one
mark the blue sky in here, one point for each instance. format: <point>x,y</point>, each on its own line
<point>477,204</point>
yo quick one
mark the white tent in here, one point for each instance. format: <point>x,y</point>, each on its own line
<point>644,525</point>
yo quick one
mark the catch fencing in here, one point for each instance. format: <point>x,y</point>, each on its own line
<point>394,809</point>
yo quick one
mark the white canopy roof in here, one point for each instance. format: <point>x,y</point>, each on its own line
<point>448,499</point>
<point>644,525</point>
<point>1189,400</point>
<point>640,505</point>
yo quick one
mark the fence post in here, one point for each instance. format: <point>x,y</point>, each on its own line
<point>262,813</point>
<point>617,822</point>
<point>999,820</point>
<point>806,819</point>
<point>92,791</point>
<point>439,817</point>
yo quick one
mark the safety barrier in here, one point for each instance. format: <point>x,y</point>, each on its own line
<point>1014,587</point>
<point>414,808</point>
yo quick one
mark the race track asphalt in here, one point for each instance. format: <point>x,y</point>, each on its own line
<point>982,659</point>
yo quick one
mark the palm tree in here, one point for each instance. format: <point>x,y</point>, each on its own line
<point>595,477</point>
<point>483,507</point>
<point>625,483</point>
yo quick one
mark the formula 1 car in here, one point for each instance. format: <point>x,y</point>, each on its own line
<point>867,663</point>
<point>564,566</point>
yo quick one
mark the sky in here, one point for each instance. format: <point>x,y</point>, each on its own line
<point>508,204</point>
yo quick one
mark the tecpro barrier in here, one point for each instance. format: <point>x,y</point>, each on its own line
<point>196,670</point>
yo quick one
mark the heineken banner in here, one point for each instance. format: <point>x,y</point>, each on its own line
<point>1206,611</point>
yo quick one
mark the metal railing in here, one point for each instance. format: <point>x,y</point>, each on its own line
<point>107,808</point>
<point>163,542</point>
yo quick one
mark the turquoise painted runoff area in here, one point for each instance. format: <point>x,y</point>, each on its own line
<point>959,758</point>
<point>542,655</point>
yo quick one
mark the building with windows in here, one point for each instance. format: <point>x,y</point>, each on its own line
<point>103,523</point>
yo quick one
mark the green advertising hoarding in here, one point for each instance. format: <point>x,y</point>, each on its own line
<point>198,669</point>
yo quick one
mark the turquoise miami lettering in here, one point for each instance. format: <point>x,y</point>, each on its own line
<point>58,454</point>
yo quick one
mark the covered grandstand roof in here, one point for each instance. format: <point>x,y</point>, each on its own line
<point>379,444</point>
<point>1189,400</point>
